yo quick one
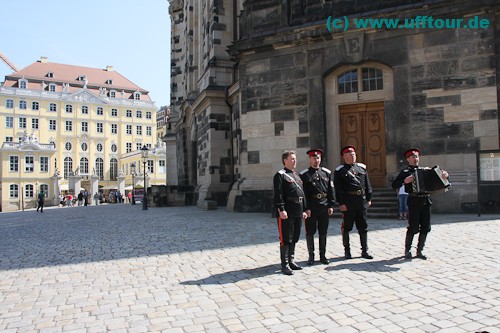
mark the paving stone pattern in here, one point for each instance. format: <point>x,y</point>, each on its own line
<point>118,268</point>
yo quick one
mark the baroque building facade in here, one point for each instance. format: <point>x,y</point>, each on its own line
<point>62,122</point>
<point>252,78</point>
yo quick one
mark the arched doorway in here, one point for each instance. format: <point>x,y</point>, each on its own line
<point>355,115</point>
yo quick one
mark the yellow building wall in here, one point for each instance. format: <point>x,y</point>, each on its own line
<point>69,136</point>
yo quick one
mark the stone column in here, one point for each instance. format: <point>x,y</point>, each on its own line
<point>121,183</point>
<point>94,185</point>
<point>56,178</point>
<point>75,183</point>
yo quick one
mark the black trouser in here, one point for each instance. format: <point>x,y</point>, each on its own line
<point>357,216</point>
<point>289,230</point>
<point>40,205</point>
<point>318,221</point>
<point>419,215</point>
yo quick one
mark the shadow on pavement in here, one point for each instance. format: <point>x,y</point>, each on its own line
<point>235,276</point>
<point>369,265</point>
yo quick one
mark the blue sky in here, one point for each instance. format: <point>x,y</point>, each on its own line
<point>132,36</point>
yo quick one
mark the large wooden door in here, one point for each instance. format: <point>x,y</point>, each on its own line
<point>363,126</point>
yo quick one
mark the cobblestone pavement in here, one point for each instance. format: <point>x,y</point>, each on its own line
<point>180,269</point>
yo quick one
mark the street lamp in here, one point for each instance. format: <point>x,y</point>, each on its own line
<point>132,170</point>
<point>144,157</point>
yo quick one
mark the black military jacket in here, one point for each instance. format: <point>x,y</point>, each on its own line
<point>289,193</point>
<point>318,187</point>
<point>400,178</point>
<point>352,186</point>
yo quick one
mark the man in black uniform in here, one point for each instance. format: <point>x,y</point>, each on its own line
<point>419,204</point>
<point>289,200</point>
<point>318,188</point>
<point>353,193</point>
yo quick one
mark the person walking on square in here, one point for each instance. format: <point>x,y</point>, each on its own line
<point>419,204</point>
<point>289,201</point>
<point>41,201</point>
<point>353,193</point>
<point>318,189</point>
<point>403,202</point>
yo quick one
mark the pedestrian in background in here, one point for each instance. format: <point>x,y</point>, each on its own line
<point>40,201</point>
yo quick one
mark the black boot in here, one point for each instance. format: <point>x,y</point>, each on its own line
<point>291,255</point>
<point>364,246</point>
<point>322,250</point>
<point>420,246</point>
<point>408,241</point>
<point>285,269</point>
<point>310,249</point>
<point>347,246</point>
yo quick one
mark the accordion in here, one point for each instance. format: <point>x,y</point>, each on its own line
<point>429,181</point>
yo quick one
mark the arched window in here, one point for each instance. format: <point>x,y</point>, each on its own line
<point>35,106</point>
<point>53,107</point>
<point>45,189</point>
<point>113,169</point>
<point>84,165</point>
<point>371,79</point>
<point>68,166</point>
<point>69,108</point>
<point>137,96</point>
<point>99,168</point>
<point>28,191</point>
<point>23,84</point>
<point>14,191</point>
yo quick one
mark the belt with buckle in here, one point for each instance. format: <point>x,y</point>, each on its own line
<point>358,192</point>
<point>295,199</point>
<point>320,195</point>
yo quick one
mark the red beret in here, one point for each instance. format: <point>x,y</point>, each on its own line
<point>347,149</point>
<point>315,152</point>
<point>412,151</point>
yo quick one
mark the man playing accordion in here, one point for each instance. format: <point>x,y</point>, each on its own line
<point>419,202</point>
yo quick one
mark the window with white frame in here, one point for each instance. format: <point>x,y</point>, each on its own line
<point>99,147</point>
<point>34,123</point>
<point>129,129</point>
<point>129,113</point>
<point>84,146</point>
<point>68,166</point>
<point>14,163</point>
<point>28,191</point>
<point>9,122</point>
<point>100,111</point>
<point>52,87</point>
<point>9,103</point>
<point>138,146</point>
<point>151,166</point>
<point>22,122</point>
<point>69,125</point>
<point>35,106</point>
<point>53,107</point>
<point>138,114</point>
<point>128,147</point>
<point>23,84</point>
<point>84,165</point>
<point>69,108</point>
<point>85,126</point>
<point>114,129</point>
<point>99,167</point>
<point>68,146</point>
<point>52,125</point>
<point>9,139</point>
<point>139,130</point>
<point>113,169</point>
<point>162,166</point>
<point>148,115</point>
<point>137,96</point>
<point>100,128</point>
<point>112,93</point>
<point>85,109</point>
<point>23,105</point>
<point>148,130</point>
<point>14,191</point>
<point>44,164</point>
<point>29,164</point>
<point>45,189</point>
<point>114,112</point>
